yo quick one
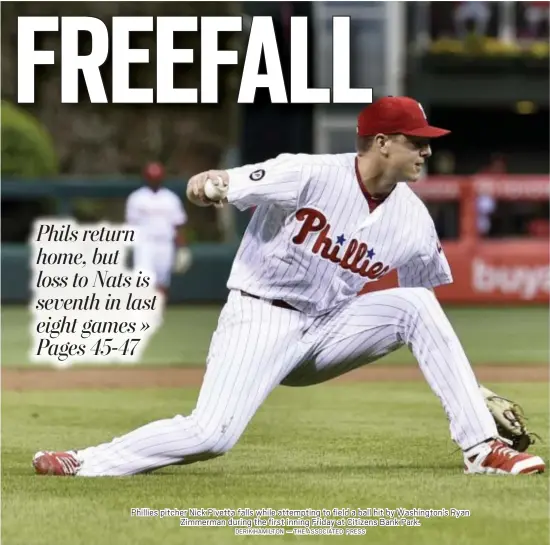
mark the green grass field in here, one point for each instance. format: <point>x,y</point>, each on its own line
<point>330,446</point>
<point>344,445</point>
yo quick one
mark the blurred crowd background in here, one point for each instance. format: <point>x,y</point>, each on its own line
<point>479,69</point>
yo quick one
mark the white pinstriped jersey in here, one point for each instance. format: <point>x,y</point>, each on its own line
<point>156,213</point>
<point>313,240</point>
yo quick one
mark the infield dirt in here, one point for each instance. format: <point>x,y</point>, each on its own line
<point>174,377</point>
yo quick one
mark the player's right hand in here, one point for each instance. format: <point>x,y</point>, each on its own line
<point>195,187</point>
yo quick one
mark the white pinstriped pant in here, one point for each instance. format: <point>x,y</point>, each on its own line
<point>155,258</point>
<point>258,346</point>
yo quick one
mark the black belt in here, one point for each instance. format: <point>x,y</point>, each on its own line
<point>275,302</point>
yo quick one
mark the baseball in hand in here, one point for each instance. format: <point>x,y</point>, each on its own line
<point>215,189</point>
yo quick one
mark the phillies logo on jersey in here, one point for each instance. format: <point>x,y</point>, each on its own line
<point>357,257</point>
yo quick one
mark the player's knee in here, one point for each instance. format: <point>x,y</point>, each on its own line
<point>418,304</point>
<point>429,313</point>
<point>217,442</point>
<point>211,437</point>
<point>218,437</point>
<point>420,298</point>
<point>423,293</point>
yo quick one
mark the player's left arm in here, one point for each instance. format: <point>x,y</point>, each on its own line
<point>429,268</point>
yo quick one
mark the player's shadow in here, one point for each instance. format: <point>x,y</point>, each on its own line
<point>287,472</point>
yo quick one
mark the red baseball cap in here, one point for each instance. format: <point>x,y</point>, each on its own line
<point>153,172</point>
<point>396,115</point>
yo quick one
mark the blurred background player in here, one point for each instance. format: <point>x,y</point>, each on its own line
<point>536,15</point>
<point>161,246</point>
<point>472,14</point>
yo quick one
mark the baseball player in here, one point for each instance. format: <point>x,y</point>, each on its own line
<point>158,213</point>
<point>323,226</point>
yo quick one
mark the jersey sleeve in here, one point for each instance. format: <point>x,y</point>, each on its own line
<point>276,181</point>
<point>429,268</point>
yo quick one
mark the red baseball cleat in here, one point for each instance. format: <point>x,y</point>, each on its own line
<point>56,463</point>
<point>497,458</point>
